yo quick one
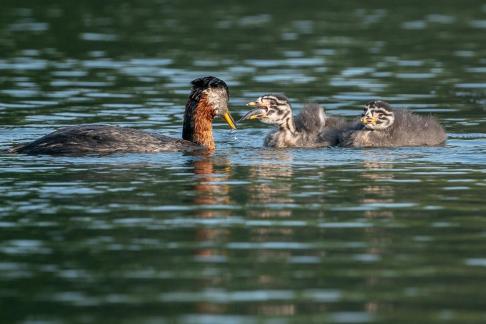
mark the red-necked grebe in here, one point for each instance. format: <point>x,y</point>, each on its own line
<point>208,99</point>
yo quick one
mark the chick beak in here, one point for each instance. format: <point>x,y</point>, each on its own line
<point>367,120</point>
<point>229,120</point>
<point>256,113</point>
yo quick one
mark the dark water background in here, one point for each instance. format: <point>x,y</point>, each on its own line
<point>249,234</point>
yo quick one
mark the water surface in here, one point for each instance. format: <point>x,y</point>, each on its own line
<point>248,234</point>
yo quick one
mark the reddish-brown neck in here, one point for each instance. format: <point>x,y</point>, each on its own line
<point>198,127</point>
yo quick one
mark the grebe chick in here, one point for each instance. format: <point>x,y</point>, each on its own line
<point>311,128</point>
<point>208,99</point>
<point>383,127</point>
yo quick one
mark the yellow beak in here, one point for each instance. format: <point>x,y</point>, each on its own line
<point>369,120</point>
<point>252,104</point>
<point>229,120</point>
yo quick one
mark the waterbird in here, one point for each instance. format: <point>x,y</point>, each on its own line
<point>381,126</point>
<point>311,128</point>
<point>208,99</point>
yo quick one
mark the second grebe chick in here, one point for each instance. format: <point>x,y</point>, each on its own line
<point>384,127</point>
<point>208,99</point>
<point>311,128</point>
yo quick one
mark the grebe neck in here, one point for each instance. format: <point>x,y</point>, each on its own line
<point>198,127</point>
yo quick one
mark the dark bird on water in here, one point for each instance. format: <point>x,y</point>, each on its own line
<point>311,128</point>
<point>208,99</point>
<point>380,126</point>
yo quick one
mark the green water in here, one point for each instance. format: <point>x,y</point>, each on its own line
<point>247,235</point>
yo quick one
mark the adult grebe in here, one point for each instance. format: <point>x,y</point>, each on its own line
<point>208,99</point>
<point>383,127</point>
<point>311,128</point>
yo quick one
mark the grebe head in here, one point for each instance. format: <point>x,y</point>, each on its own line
<point>270,109</point>
<point>377,115</point>
<point>216,95</point>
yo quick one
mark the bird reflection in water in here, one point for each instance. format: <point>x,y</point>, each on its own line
<point>271,184</point>
<point>271,181</point>
<point>376,192</point>
<point>270,195</point>
<point>211,189</point>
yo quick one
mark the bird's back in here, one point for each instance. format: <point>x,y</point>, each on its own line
<point>335,128</point>
<point>321,129</point>
<point>102,139</point>
<point>312,119</point>
<point>410,129</point>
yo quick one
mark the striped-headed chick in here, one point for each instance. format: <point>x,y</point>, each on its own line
<point>381,126</point>
<point>308,129</point>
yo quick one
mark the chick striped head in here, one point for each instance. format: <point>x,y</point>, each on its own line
<point>270,109</point>
<point>377,115</point>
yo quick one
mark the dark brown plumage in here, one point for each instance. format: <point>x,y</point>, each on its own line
<point>102,139</point>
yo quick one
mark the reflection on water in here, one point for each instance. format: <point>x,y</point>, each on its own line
<point>272,184</point>
<point>211,186</point>
<point>210,190</point>
<point>247,234</point>
<point>376,193</point>
<point>269,198</point>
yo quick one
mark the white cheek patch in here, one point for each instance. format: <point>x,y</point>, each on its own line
<point>218,99</point>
